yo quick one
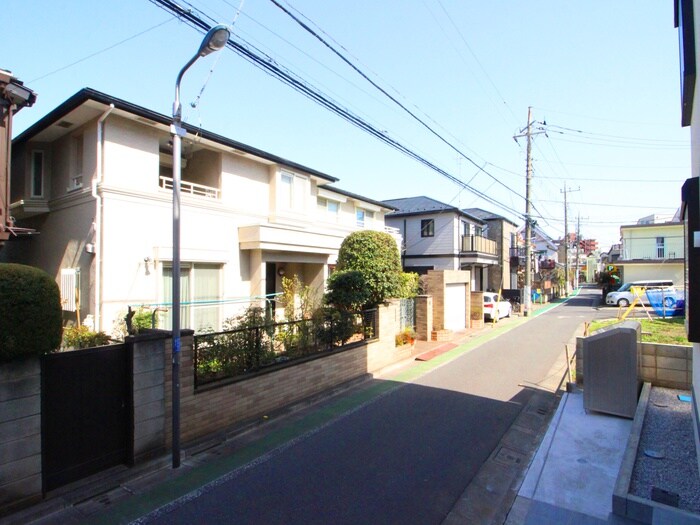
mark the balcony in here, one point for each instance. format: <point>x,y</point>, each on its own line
<point>652,254</point>
<point>479,245</point>
<point>190,188</point>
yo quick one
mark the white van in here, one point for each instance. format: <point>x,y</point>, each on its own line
<point>625,295</point>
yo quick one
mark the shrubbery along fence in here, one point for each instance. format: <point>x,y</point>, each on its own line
<point>243,351</point>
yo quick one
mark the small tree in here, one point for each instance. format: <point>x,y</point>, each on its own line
<point>30,312</point>
<point>297,298</point>
<point>376,256</point>
<point>347,290</point>
<point>409,285</point>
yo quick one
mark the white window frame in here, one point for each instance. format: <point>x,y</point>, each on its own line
<point>78,148</point>
<point>296,200</point>
<point>188,270</point>
<point>328,208</point>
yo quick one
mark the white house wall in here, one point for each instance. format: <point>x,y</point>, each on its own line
<point>245,185</point>
<point>644,272</point>
<point>443,242</point>
<point>136,219</point>
<point>130,155</point>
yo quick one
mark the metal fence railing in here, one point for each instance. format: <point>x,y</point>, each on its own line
<point>244,351</point>
<point>407,314</point>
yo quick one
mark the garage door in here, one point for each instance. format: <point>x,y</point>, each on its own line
<point>455,307</point>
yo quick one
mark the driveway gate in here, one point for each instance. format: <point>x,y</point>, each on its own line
<point>87,412</point>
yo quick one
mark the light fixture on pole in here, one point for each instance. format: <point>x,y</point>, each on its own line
<point>213,41</point>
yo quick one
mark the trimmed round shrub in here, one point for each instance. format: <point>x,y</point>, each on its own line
<point>376,256</point>
<point>347,290</point>
<point>30,312</point>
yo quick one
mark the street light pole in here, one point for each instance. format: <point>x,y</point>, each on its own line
<point>213,41</point>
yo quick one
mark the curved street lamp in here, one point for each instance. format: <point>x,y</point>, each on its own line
<point>214,40</point>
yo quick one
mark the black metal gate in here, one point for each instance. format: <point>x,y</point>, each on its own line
<point>87,411</point>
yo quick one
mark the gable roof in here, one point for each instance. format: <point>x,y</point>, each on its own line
<point>422,205</point>
<point>89,103</point>
<point>486,215</point>
<point>355,196</point>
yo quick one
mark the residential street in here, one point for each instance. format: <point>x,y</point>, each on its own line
<point>402,457</point>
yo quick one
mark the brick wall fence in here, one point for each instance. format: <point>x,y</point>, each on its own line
<point>208,411</point>
<point>212,409</point>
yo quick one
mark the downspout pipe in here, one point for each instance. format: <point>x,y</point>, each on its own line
<point>97,194</point>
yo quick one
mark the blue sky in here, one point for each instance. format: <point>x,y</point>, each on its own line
<point>603,75</point>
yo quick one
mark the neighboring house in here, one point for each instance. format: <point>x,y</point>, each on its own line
<point>502,231</point>
<point>545,251</point>
<point>652,251</point>
<point>13,97</point>
<point>438,236</point>
<point>94,178</point>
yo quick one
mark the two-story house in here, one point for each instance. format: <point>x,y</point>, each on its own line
<point>652,251</point>
<point>502,231</point>
<point>438,236</point>
<point>94,179</point>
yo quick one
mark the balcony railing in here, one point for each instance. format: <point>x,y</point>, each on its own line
<point>648,254</point>
<point>190,188</point>
<point>479,244</point>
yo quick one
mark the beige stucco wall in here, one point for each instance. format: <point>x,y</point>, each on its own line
<point>646,271</point>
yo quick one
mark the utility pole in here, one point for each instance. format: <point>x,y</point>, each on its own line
<point>578,247</point>
<point>527,288</point>
<point>566,239</point>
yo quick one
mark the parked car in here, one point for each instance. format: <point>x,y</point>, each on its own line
<point>495,306</point>
<point>625,295</point>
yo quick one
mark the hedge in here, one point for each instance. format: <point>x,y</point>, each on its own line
<point>30,312</point>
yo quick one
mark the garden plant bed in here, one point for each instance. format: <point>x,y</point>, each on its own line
<point>659,478</point>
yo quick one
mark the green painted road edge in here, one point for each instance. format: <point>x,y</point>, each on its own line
<point>139,505</point>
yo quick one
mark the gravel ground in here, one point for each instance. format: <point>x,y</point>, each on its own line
<point>668,432</point>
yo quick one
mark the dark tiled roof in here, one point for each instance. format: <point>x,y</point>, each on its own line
<point>86,94</point>
<point>485,215</point>
<point>356,196</point>
<point>423,205</point>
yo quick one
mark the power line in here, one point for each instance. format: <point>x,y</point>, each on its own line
<point>385,93</point>
<point>103,50</point>
<point>269,66</point>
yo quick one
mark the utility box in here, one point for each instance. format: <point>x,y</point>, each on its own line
<point>611,370</point>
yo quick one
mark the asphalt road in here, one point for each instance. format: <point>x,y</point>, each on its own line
<point>405,456</point>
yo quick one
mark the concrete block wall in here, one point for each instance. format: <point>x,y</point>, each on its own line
<point>669,366</point>
<point>210,411</point>
<point>20,433</point>
<point>149,393</point>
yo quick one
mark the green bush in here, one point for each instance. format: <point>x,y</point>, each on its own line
<point>77,337</point>
<point>409,285</point>
<point>240,349</point>
<point>334,327</point>
<point>30,312</point>
<point>347,290</point>
<point>376,256</point>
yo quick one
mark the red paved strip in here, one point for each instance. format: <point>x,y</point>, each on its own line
<point>427,356</point>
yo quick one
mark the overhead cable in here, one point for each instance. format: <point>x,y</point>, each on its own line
<point>269,66</point>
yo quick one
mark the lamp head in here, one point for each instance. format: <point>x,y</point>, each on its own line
<point>214,40</point>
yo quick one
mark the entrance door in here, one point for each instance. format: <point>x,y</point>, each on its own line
<point>455,306</point>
